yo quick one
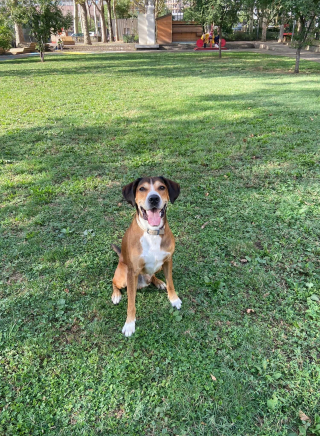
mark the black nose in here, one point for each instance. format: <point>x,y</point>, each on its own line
<point>154,200</point>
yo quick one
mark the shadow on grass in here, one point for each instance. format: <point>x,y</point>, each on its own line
<point>245,226</point>
<point>158,65</point>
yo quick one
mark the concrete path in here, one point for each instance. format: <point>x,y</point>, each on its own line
<point>284,50</point>
<point>274,48</point>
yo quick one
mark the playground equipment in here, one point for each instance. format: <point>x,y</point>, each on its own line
<point>200,43</point>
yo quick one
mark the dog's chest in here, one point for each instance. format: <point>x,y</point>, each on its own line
<point>152,254</point>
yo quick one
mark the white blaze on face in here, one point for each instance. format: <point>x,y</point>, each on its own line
<point>154,218</point>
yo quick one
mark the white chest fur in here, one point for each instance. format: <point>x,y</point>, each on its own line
<point>152,254</point>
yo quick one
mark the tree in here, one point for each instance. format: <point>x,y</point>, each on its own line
<point>224,12</point>
<point>305,12</point>
<point>109,20</point>
<point>123,8</point>
<point>45,17</point>
<point>221,13</point>
<point>5,35</point>
<point>140,6</point>
<point>100,8</point>
<point>13,11</point>
<point>267,11</point>
<point>116,34</point>
<point>84,21</point>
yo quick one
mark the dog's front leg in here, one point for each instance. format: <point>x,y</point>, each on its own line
<point>173,297</point>
<point>132,281</point>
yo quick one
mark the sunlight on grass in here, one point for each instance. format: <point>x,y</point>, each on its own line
<point>241,136</point>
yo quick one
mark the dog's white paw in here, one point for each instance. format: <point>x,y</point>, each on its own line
<point>116,299</point>
<point>176,303</point>
<point>129,328</point>
<point>161,285</point>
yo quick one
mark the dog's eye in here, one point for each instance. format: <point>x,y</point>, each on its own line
<point>142,188</point>
<point>162,188</point>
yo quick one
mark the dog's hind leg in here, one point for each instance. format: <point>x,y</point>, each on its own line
<point>119,281</point>
<point>158,283</point>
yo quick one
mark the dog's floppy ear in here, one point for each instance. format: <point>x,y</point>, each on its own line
<point>129,192</point>
<point>173,188</point>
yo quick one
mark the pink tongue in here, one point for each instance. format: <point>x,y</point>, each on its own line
<point>154,218</point>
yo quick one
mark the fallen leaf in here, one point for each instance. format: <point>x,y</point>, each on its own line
<point>249,107</point>
<point>311,119</point>
<point>243,260</point>
<point>272,402</point>
<point>205,224</point>
<point>270,115</point>
<point>119,204</point>
<point>252,135</point>
<point>234,263</point>
<point>244,140</point>
<point>213,377</point>
<point>303,416</point>
<point>250,310</point>
<point>113,139</point>
<point>66,290</point>
<point>213,128</point>
<point>207,194</point>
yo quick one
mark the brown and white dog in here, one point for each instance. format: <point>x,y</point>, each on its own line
<point>147,245</point>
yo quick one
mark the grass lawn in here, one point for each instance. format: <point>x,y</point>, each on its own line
<point>241,135</point>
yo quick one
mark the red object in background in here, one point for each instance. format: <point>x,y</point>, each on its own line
<point>199,43</point>
<point>223,42</point>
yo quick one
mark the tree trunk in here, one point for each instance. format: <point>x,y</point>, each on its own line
<point>42,56</point>
<point>250,29</point>
<point>281,33</point>
<point>115,21</point>
<point>19,34</point>
<point>219,42</point>
<point>109,20</point>
<point>84,20</point>
<point>296,68</point>
<point>88,14</point>
<point>103,23</point>
<point>264,28</point>
<point>75,17</point>
<point>95,19</point>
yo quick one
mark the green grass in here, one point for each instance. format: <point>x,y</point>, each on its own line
<point>241,136</point>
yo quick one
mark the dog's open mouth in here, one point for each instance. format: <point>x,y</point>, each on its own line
<point>153,216</point>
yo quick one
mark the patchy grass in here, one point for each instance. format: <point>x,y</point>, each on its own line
<point>241,136</point>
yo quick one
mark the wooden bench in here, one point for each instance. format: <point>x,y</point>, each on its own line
<point>24,48</point>
<point>67,40</point>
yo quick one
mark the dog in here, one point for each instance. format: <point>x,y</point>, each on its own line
<point>147,245</point>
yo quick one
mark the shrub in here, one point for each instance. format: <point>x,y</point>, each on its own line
<point>130,38</point>
<point>5,36</point>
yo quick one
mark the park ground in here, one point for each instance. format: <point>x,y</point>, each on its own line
<point>241,136</point>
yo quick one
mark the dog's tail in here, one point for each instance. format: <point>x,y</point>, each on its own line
<point>116,249</point>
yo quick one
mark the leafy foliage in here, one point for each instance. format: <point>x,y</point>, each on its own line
<point>5,35</point>
<point>45,17</point>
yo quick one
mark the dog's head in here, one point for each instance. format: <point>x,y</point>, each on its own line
<point>150,195</point>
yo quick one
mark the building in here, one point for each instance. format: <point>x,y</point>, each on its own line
<point>176,8</point>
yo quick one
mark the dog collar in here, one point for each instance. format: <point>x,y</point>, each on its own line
<point>151,232</point>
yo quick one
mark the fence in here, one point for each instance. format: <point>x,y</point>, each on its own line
<point>126,26</point>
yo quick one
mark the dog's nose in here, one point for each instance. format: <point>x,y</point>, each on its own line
<point>154,200</point>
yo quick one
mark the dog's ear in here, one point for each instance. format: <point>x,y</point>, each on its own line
<point>129,192</point>
<point>173,188</point>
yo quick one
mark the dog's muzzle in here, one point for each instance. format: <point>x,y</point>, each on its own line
<point>153,215</point>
